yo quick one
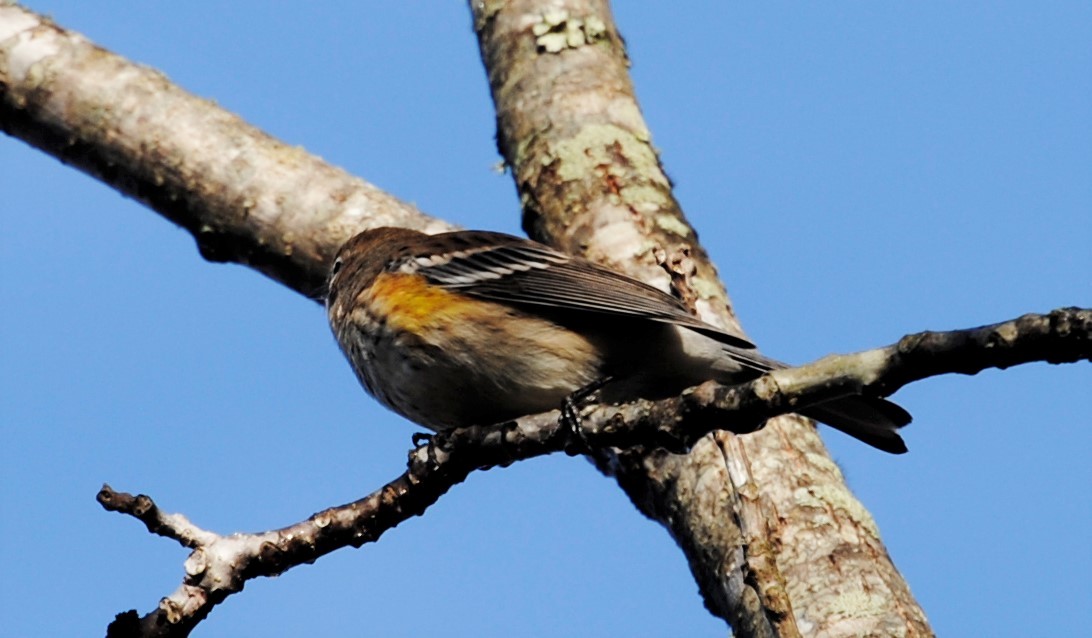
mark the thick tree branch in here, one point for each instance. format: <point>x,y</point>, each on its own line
<point>590,181</point>
<point>244,196</point>
<point>220,565</point>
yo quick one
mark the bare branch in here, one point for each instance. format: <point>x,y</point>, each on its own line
<point>244,196</point>
<point>220,565</point>
<point>591,183</point>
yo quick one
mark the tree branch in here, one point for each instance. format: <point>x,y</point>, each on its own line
<point>246,197</point>
<point>591,183</point>
<point>220,565</point>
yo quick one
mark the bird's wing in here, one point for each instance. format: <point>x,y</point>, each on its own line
<point>509,269</point>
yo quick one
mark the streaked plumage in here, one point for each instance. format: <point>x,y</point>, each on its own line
<point>500,326</point>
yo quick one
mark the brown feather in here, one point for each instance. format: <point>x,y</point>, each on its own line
<point>509,269</point>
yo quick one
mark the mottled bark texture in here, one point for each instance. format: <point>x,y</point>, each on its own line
<point>775,539</point>
<point>244,196</point>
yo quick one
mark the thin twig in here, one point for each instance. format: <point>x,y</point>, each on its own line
<point>220,565</point>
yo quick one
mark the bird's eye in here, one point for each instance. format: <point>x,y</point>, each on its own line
<point>336,267</point>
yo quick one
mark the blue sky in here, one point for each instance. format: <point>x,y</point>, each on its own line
<point>858,171</point>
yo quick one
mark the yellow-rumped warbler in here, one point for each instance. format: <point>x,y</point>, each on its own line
<point>476,328</point>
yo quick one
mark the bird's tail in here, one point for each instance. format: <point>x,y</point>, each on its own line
<point>872,420</point>
<point>868,419</point>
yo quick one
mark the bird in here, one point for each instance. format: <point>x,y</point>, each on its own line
<point>478,327</point>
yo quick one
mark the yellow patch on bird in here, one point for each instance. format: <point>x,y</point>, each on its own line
<point>409,302</point>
